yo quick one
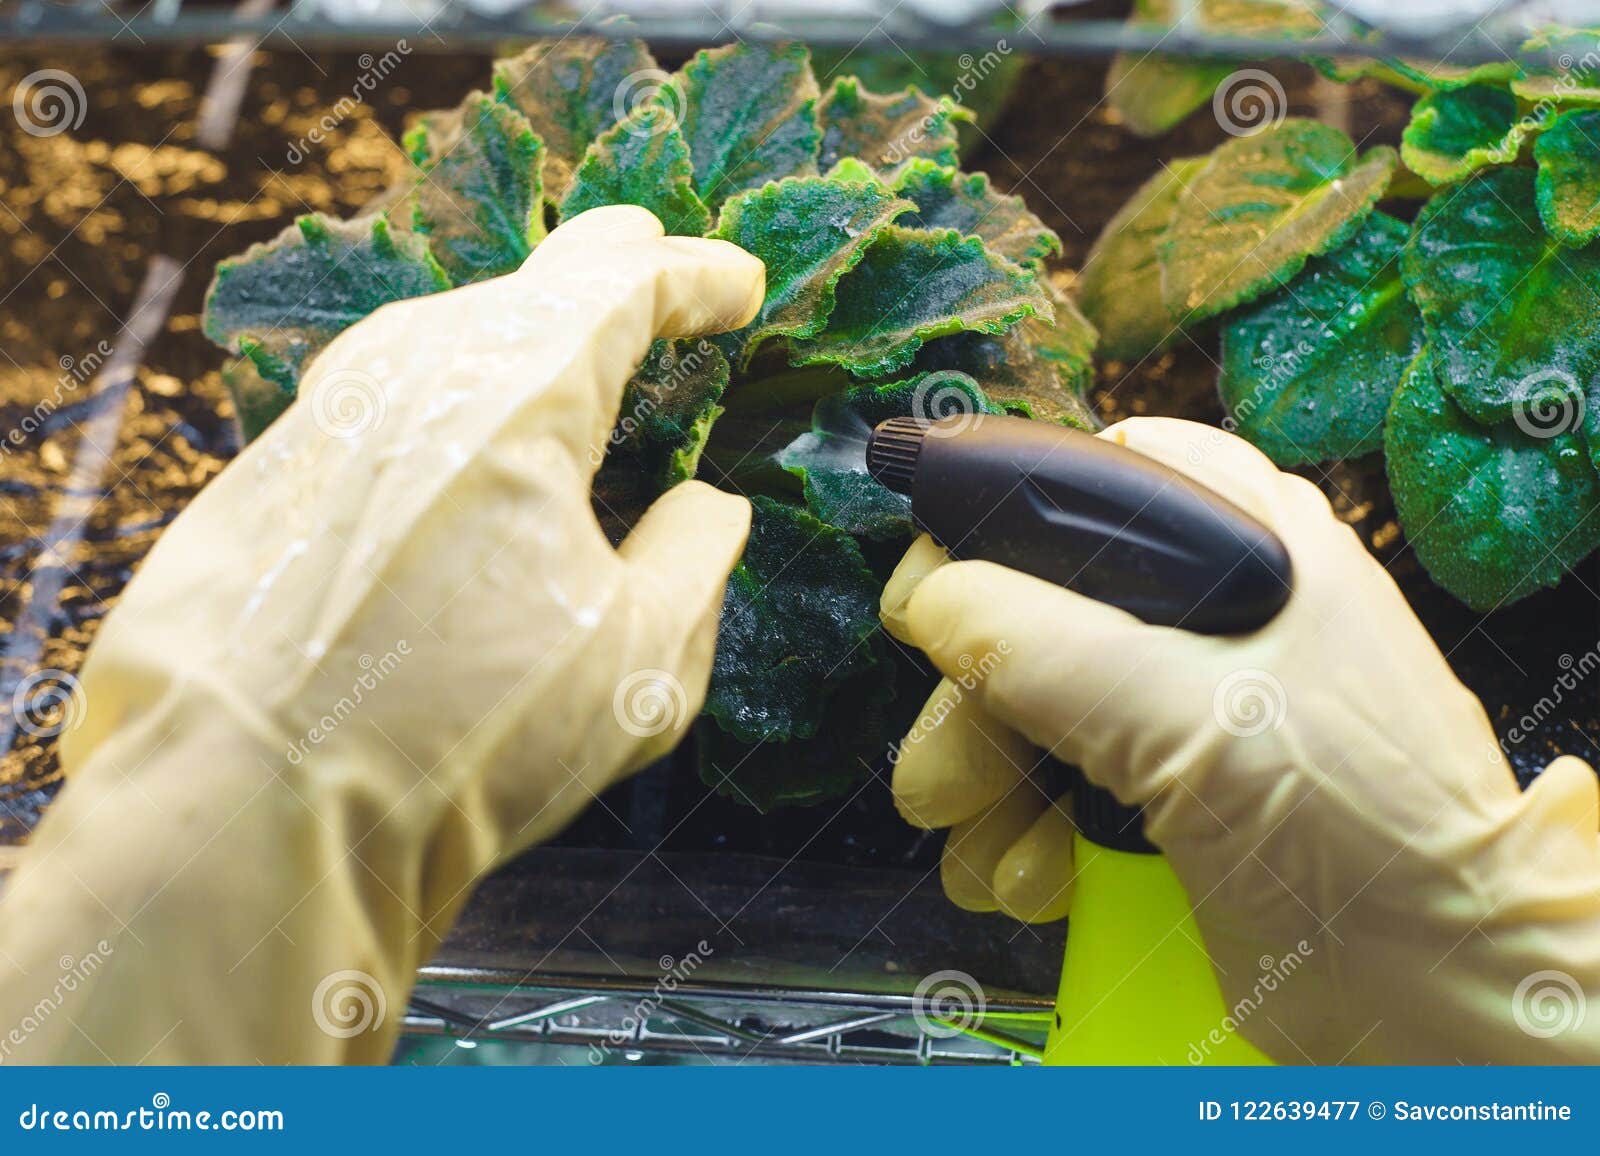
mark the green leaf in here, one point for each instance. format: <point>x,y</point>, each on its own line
<point>1509,312</point>
<point>832,458</point>
<point>912,286</point>
<point>810,231</point>
<point>1152,92</point>
<point>257,402</point>
<point>574,89</point>
<point>983,82</point>
<point>1259,209</point>
<point>281,302</point>
<point>1119,286</point>
<point>1563,68</point>
<point>1568,185</point>
<point>1308,371</point>
<point>665,420</point>
<point>480,201</point>
<point>749,113</point>
<point>948,199</point>
<point>885,131</point>
<point>1417,76</point>
<point>641,160</point>
<point>1038,368</point>
<point>799,611</point>
<point>1457,131</point>
<point>1492,513</point>
<point>855,738</point>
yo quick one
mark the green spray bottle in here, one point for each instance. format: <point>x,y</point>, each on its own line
<point>1136,986</point>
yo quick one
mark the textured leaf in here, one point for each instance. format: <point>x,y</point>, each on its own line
<point>1308,371</point>
<point>1492,513</point>
<point>810,231</point>
<point>667,411</point>
<point>887,130</point>
<point>855,738</point>
<point>1563,69</point>
<point>832,458</point>
<point>749,114</point>
<point>281,302</point>
<point>641,160</point>
<point>572,90</point>
<point>965,202</point>
<point>1119,286</point>
<point>1262,205</point>
<point>1568,185</point>
<point>480,201</point>
<point>799,610</point>
<point>1510,313</point>
<point>1037,368</point>
<point>1455,132</point>
<point>912,286</point>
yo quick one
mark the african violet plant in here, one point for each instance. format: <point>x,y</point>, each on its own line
<point>1464,345</point>
<point>895,284</point>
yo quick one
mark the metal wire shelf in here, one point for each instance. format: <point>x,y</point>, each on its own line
<point>1042,28</point>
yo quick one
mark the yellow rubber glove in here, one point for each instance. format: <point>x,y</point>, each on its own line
<point>1326,779</point>
<point>384,650</point>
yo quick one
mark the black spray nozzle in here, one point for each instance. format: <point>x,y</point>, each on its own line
<point>1088,514</point>
<point>1092,516</point>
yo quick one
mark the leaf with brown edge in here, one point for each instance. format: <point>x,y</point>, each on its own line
<point>810,232</point>
<point>912,286</point>
<point>749,113</point>
<point>480,199</point>
<point>574,89</point>
<point>885,131</point>
<point>948,199</point>
<point>641,160</point>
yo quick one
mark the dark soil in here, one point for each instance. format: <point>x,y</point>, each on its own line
<point>85,211</point>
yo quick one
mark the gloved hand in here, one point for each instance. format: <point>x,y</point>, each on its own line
<point>360,671</point>
<point>1325,779</point>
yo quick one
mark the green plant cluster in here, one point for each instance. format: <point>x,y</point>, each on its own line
<point>896,283</point>
<point>1464,343</point>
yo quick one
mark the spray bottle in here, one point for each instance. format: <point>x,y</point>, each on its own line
<point>1100,519</point>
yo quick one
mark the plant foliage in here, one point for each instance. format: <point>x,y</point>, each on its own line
<point>1460,337</point>
<point>896,285</point>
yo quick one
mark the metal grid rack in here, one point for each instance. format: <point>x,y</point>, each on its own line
<point>1048,27</point>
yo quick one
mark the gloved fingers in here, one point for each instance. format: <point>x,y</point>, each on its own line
<point>923,558</point>
<point>678,558</point>
<point>975,847</point>
<point>1070,674</point>
<point>1568,792</point>
<point>700,285</point>
<point>1034,879</point>
<point>956,760</point>
<point>1213,457</point>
